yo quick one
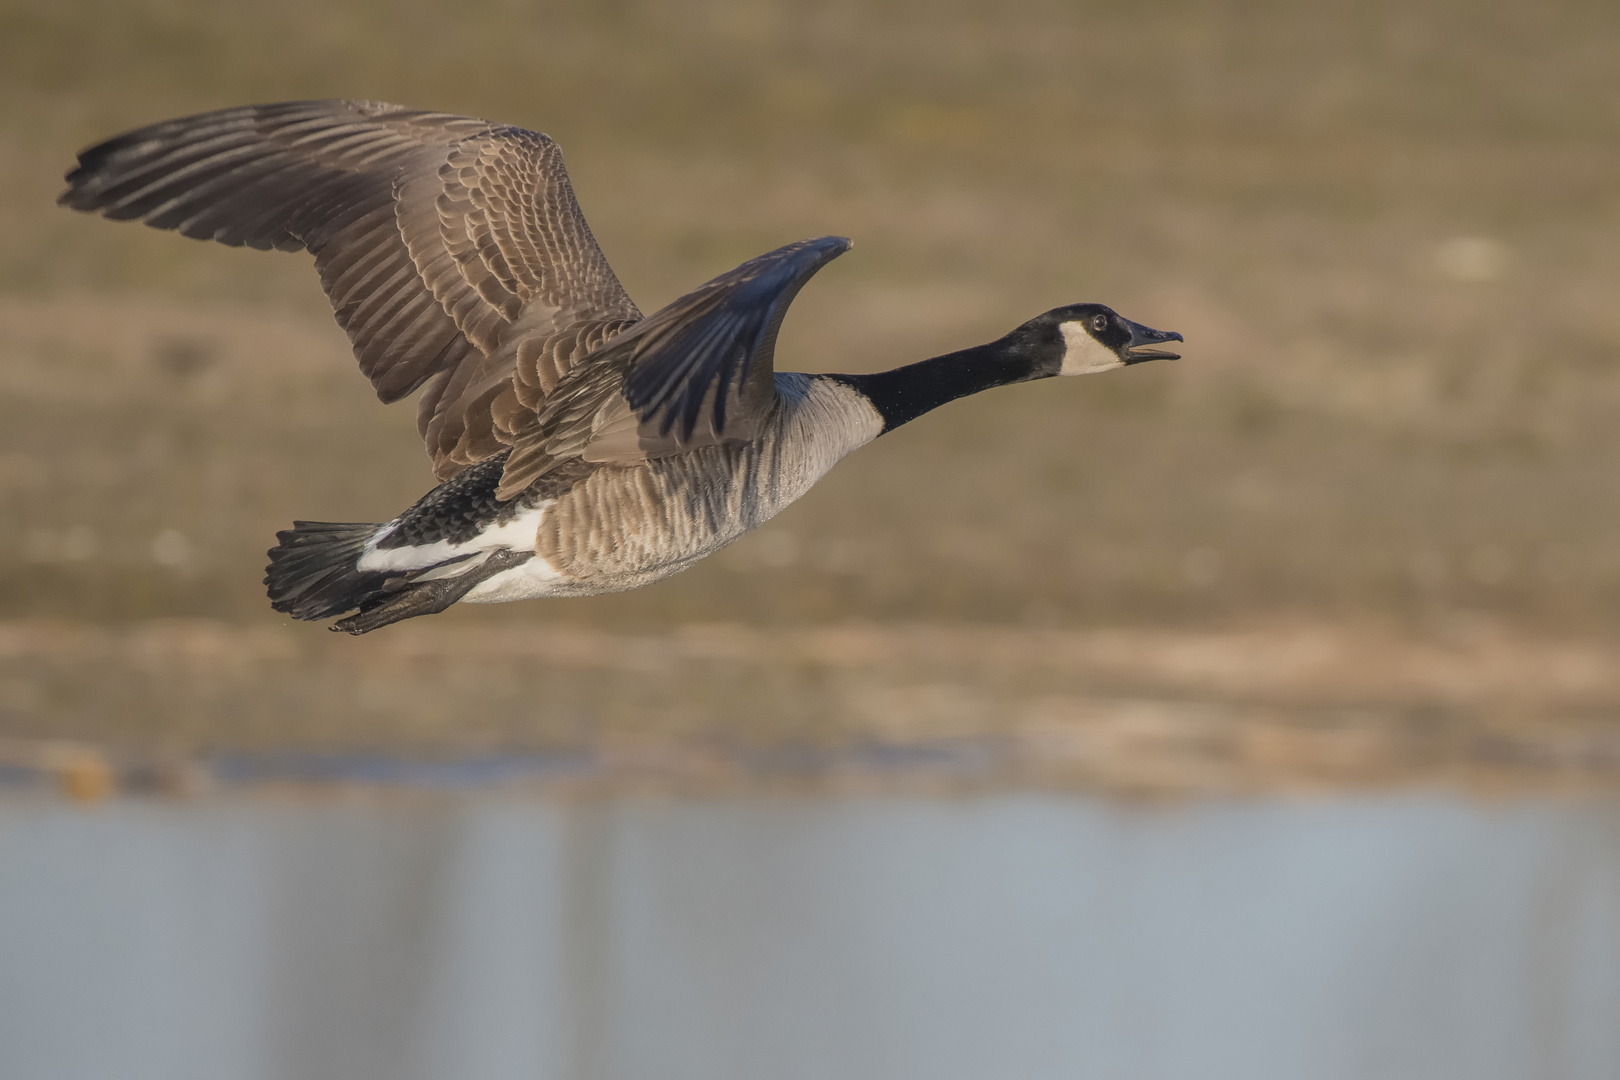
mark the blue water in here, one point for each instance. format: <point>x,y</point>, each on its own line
<point>1007,937</point>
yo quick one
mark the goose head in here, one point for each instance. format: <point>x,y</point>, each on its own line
<point>1076,340</point>
<point>1083,339</point>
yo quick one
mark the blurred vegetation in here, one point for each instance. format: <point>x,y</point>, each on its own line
<point>1388,231</point>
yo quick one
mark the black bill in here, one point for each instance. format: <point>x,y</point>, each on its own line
<point>1136,350</point>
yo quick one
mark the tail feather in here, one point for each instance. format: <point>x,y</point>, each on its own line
<point>313,572</point>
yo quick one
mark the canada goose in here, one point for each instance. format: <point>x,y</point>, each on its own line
<point>580,447</point>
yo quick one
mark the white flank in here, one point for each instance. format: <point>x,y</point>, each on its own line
<point>517,534</point>
<point>1084,354</point>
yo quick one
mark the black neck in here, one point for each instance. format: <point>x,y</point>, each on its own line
<point>907,392</point>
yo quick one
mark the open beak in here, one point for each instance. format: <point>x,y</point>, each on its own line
<point>1135,351</point>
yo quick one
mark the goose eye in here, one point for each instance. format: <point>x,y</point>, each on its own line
<point>1099,323</point>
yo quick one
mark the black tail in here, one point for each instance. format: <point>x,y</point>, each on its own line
<point>312,572</point>
<point>313,575</point>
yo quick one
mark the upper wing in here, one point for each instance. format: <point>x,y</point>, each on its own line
<point>452,249</point>
<point>696,373</point>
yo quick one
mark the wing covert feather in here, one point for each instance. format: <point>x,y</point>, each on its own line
<point>446,244</point>
<point>699,372</point>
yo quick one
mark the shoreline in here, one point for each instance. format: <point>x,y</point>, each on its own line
<point>177,705</point>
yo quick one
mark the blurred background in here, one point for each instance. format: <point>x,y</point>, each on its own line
<point>1386,231</point>
<point>1361,541</point>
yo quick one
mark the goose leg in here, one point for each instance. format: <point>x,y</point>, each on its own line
<point>430,597</point>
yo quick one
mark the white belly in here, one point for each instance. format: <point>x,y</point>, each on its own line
<point>533,579</point>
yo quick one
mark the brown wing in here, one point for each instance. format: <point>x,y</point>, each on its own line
<point>699,372</point>
<point>452,249</point>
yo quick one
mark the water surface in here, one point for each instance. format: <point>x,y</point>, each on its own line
<point>1015,937</point>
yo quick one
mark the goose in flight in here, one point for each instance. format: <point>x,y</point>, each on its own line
<point>580,447</point>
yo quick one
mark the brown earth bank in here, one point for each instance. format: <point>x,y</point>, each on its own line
<point>1285,706</point>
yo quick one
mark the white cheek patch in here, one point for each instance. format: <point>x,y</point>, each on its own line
<point>1084,354</point>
